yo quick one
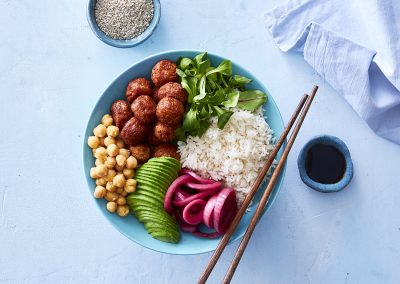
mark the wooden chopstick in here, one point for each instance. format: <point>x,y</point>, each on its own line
<point>221,246</point>
<point>267,192</point>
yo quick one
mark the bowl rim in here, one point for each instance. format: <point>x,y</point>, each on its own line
<point>341,147</point>
<point>123,43</point>
<point>87,132</point>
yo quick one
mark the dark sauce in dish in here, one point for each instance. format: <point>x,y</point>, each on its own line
<point>325,164</point>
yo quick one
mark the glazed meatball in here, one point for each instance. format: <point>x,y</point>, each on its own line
<point>155,94</point>
<point>152,139</point>
<point>170,111</point>
<point>144,109</point>
<point>134,131</point>
<point>141,152</point>
<point>173,90</point>
<point>137,87</point>
<point>121,113</point>
<point>164,132</point>
<point>163,72</point>
<point>166,150</point>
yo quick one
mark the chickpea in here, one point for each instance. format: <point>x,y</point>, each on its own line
<point>130,185</point>
<point>131,182</point>
<point>99,162</point>
<point>100,130</point>
<point>101,181</point>
<point>124,193</point>
<point>128,173</point>
<point>110,162</point>
<point>124,152</point>
<point>93,142</point>
<point>102,141</point>
<point>121,160</point>
<point>110,186</point>
<point>109,140</point>
<point>111,196</point>
<point>120,143</point>
<point>99,192</point>
<point>111,206</point>
<point>102,170</point>
<point>93,172</point>
<point>119,168</point>
<point>123,210</point>
<point>107,120</point>
<point>112,150</point>
<point>119,180</point>
<point>112,131</point>
<point>120,190</point>
<point>110,175</point>
<point>131,162</point>
<point>121,200</point>
<point>101,153</point>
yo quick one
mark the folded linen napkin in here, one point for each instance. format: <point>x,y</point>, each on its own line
<point>355,46</point>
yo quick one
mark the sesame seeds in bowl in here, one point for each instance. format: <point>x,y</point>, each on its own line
<point>123,23</point>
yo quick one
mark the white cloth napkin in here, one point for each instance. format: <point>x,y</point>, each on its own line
<point>355,46</point>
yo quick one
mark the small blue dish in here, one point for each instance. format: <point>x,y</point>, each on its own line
<point>122,43</point>
<point>342,148</point>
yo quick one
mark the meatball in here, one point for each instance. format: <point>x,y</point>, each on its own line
<point>170,111</point>
<point>152,139</point>
<point>141,152</point>
<point>144,109</point>
<point>173,90</point>
<point>164,132</point>
<point>134,131</point>
<point>137,87</point>
<point>121,113</point>
<point>155,94</point>
<point>163,72</point>
<point>166,150</point>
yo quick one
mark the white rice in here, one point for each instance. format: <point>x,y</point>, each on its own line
<point>234,155</point>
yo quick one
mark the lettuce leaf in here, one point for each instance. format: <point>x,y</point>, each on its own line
<point>212,92</point>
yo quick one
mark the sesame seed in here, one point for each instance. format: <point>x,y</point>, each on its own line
<point>123,19</point>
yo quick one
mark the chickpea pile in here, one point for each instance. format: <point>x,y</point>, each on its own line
<point>114,166</point>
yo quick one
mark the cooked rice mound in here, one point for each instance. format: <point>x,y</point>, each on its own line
<point>234,154</point>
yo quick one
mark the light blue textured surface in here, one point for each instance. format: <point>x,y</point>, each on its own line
<point>53,70</point>
<point>130,227</point>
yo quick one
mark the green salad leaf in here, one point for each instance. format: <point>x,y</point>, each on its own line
<point>212,92</point>
<point>251,100</point>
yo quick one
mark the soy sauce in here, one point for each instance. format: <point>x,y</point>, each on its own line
<point>325,164</point>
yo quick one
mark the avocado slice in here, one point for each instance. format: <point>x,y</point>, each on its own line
<point>166,163</point>
<point>157,185</point>
<point>154,229</point>
<point>165,236</point>
<point>151,181</point>
<point>159,215</point>
<point>150,174</point>
<point>149,191</point>
<point>154,218</point>
<point>170,160</point>
<point>162,168</point>
<point>141,199</point>
<point>143,205</point>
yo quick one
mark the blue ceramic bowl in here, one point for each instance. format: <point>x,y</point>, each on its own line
<point>340,146</point>
<point>129,226</point>
<point>122,43</point>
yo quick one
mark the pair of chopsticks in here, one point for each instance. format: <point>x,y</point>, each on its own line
<point>301,109</point>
